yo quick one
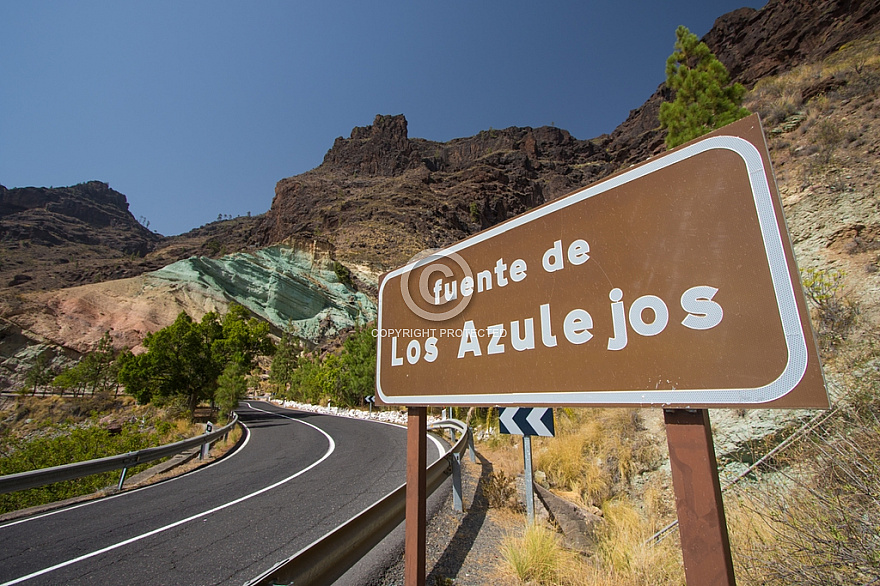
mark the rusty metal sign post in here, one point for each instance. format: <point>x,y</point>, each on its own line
<point>416,493</point>
<point>671,284</point>
<point>705,545</point>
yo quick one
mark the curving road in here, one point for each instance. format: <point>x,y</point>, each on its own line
<point>297,477</point>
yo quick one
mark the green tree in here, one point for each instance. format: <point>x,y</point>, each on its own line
<point>39,374</point>
<point>231,387</point>
<point>316,380</point>
<point>96,371</point>
<point>704,97</point>
<point>186,358</point>
<point>72,379</point>
<point>327,380</point>
<point>358,362</point>
<point>345,378</point>
<point>285,360</point>
<point>241,338</point>
<point>178,361</point>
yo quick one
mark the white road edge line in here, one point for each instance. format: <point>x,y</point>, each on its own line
<point>330,450</point>
<point>439,445</point>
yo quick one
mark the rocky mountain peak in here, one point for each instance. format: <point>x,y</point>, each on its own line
<point>48,231</point>
<point>381,149</point>
<point>92,202</point>
<point>385,128</point>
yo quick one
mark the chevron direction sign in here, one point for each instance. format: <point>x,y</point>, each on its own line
<point>526,421</point>
<point>670,284</point>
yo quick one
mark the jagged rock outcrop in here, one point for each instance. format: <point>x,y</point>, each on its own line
<point>382,149</point>
<point>382,197</point>
<point>88,213</point>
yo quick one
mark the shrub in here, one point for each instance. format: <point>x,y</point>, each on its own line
<point>76,446</point>
<point>835,313</point>
<point>499,490</point>
<point>828,137</point>
<point>343,273</point>
<point>475,212</point>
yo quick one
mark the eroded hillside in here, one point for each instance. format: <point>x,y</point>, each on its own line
<point>381,196</point>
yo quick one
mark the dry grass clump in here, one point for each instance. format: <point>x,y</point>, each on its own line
<point>624,558</point>
<point>536,557</point>
<point>592,459</point>
<point>815,517</point>
<point>621,557</point>
<point>595,453</point>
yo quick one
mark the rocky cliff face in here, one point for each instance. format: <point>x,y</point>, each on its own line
<point>752,44</point>
<point>785,33</point>
<point>380,197</point>
<point>67,236</point>
<point>88,213</point>
<point>56,237</point>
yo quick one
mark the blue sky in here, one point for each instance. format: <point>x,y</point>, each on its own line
<point>197,108</point>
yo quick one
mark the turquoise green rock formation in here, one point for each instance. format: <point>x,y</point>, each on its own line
<point>286,286</point>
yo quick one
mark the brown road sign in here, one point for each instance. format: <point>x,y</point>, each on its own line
<point>670,284</point>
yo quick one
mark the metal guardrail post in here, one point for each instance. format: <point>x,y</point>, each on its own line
<point>206,447</point>
<point>457,504</point>
<point>454,456</point>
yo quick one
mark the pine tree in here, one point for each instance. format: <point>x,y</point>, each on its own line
<point>285,360</point>
<point>704,97</point>
<point>231,388</point>
<point>39,374</point>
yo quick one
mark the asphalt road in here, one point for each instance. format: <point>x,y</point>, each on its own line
<point>297,477</point>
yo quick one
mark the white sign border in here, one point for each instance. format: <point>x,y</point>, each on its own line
<point>795,340</point>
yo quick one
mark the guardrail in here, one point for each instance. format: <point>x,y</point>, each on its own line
<point>43,476</point>
<point>330,557</point>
